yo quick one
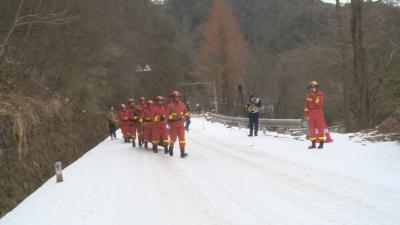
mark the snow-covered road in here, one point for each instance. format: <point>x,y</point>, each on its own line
<point>228,178</point>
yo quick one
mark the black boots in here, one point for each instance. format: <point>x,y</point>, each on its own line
<point>312,145</point>
<point>171,152</point>
<point>146,144</point>
<point>133,143</point>
<point>165,149</point>
<point>155,148</point>
<point>321,145</point>
<point>140,143</point>
<point>183,154</point>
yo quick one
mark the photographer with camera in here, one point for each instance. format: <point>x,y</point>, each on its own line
<point>253,108</point>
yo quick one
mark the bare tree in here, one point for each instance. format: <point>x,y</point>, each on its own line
<point>43,14</point>
<point>360,74</point>
<point>345,76</point>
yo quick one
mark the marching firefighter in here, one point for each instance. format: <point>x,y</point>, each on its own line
<point>147,123</point>
<point>139,109</point>
<point>314,114</point>
<point>160,132</point>
<point>123,116</point>
<point>177,113</point>
<point>133,120</point>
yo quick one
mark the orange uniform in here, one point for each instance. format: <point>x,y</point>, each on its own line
<point>313,110</point>
<point>160,132</point>
<point>140,109</point>
<point>176,111</point>
<point>123,117</point>
<point>147,125</point>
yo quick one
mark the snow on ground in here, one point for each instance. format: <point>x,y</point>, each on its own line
<point>228,178</point>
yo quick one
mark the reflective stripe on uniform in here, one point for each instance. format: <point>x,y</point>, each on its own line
<point>313,139</point>
<point>172,115</point>
<point>182,142</point>
<point>309,99</point>
<point>318,100</point>
<point>305,110</point>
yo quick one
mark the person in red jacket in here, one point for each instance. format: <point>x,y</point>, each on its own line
<point>177,113</point>
<point>314,114</point>
<point>123,116</point>
<point>133,121</point>
<point>160,132</point>
<point>147,123</point>
<point>139,109</point>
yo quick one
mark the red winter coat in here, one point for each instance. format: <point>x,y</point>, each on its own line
<point>314,102</point>
<point>146,117</point>
<point>133,114</point>
<point>123,115</point>
<point>158,113</point>
<point>176,112</point>
<point>141,107</point>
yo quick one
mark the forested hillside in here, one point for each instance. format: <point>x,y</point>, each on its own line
<point>292,42</point>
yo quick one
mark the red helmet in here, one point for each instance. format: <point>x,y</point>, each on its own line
<point>122,106</point>
<point>176,94</point>
<point>160,98</point>
<point>142,99</point>
<point>150,102</point>
<point>131,100</point>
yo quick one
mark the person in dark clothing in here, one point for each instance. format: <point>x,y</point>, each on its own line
<point>187,122</point>
<point>112,122</point>
<point>253,107</point>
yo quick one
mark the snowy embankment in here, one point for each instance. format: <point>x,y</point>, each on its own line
<point>228,178</point>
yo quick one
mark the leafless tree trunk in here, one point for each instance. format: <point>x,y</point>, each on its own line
<point>345,75</point>
<point>359,61</point>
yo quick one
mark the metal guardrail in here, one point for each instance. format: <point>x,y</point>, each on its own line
<point>268,123</point>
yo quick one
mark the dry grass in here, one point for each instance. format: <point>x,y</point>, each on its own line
<point>17,123</point>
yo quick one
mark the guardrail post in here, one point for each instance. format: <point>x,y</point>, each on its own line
<point>58,168</point>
